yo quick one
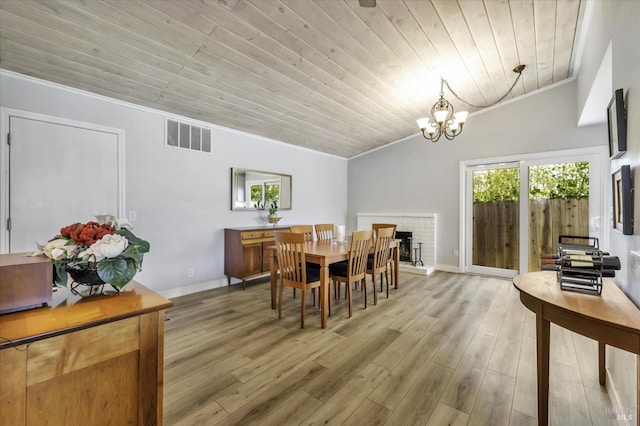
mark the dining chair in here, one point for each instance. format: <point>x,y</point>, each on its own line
<point>355,269</point>
<point>375,227</point>
<point>306,230</point>
<point>378,261</point>
<point>293,270</point>
<point>324,231</point>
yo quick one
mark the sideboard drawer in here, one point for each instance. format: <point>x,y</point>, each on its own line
<point>252,235</point>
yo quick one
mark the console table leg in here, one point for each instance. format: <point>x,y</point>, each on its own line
<point>602,374</point>
<point>542,344</point>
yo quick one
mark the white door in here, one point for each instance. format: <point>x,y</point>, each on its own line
<point>59,174</point>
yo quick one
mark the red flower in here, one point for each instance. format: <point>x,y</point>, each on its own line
<point>86,234</point>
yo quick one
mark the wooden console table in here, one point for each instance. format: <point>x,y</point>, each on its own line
<point>84,361</point>
<point>611,319</point>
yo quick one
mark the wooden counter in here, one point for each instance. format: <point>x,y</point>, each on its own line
<point>95,360</point>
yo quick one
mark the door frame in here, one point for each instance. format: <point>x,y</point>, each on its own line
<point>5,115</point>
<point>599,168</point>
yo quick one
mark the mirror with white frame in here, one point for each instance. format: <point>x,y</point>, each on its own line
<point>255,189</point>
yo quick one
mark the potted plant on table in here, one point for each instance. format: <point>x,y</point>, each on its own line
<point>273,212</point>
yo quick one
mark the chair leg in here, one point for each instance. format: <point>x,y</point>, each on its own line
<point>386,278</point>
<point>294,293</point>
<point>280,301</point>
<point>349,294</point>
<point>363,286</point>
<point>302,297</point>
<point>375,293</point>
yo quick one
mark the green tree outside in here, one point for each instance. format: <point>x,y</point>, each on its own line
<point>558,181</point>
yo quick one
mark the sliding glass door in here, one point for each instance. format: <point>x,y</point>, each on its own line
<point>514,211</point>
<point>495,218</point>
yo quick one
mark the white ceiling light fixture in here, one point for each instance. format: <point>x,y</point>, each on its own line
<point>445,121</point>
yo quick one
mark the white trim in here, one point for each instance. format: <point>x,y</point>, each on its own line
<point>159,112</point>
<point>447,268</point>
<point>614,395</point>
<point>5,115</point>
<point>193,288</point>
<point>582,32</point>
<point>398,214</point>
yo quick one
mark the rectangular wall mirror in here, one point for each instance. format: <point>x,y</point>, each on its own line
<point>255,189</point>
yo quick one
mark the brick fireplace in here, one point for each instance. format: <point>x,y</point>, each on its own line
<point>423,230</point>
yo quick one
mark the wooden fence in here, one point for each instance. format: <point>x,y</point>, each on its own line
<point>496,230</point>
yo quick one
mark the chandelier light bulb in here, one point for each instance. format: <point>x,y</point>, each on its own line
<point>461,116</point>
<point>441,116</point>
<point>423,123</point>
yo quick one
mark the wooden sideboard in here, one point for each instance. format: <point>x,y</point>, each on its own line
<point>245,254</point>
<point>84,361</point>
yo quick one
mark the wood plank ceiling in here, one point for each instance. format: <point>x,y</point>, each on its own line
<point>328,75</point>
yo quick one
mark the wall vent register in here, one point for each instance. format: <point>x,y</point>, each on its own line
<point>188,136</point>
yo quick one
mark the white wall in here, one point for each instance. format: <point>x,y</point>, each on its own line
<point>418,175</point>
<point>617,22</point>
<point>182,198</point>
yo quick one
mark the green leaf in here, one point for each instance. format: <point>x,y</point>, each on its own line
<point>117,271</point>
<point>60,273</point>
<point>141,245</point>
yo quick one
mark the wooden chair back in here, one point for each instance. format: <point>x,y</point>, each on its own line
<point>293,270</point>
<point>381,250</point>
<point>376,226</point>
<point>306,230</point>
<point>360,246</point>
<point>290,248</point>
<point>324,231</point>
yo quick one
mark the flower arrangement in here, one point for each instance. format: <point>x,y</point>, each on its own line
<point>110,249</point>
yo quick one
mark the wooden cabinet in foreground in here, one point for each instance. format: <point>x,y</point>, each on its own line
<point>245,254</point>
<point>84,361</point>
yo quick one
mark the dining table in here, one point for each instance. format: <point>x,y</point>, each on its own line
<point>324,253</point>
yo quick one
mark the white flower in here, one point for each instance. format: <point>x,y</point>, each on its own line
<point>109,246</point>
<point>57,249</point>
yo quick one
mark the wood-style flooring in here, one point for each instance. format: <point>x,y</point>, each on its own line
<point>449,349</point>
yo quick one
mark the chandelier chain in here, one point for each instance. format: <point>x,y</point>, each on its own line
<point>446,83</point>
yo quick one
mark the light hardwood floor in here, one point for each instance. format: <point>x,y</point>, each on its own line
<point>449,349</point>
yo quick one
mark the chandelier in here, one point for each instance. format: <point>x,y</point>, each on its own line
<point>444,121</point>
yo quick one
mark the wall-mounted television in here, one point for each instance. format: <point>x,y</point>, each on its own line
<point>617,119</point>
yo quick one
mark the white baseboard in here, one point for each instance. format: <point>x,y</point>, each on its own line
<point>193,288</point>
<point>616,402</point>
<point>447,268</point>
